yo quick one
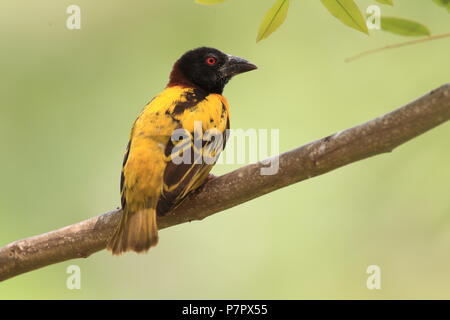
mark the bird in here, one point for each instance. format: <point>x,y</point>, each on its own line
<point>161,168</point>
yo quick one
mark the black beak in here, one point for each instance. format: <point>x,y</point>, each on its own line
<point>236,65</point>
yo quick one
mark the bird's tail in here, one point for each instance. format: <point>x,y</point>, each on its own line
<point>137,232</point>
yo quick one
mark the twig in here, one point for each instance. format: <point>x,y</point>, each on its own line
<point>398,45</point>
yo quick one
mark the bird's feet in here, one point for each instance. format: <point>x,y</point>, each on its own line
<point>208,179</point>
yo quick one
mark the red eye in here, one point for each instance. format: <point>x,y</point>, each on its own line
<point>211,61</point>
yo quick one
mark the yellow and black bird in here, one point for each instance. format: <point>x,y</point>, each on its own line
<point>152,183</point>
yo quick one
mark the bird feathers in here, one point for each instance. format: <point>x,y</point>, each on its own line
<point>152,183</point>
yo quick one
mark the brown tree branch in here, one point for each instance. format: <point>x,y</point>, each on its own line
<point>377,136</point>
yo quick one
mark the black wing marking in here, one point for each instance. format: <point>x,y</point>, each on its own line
<point>122,176</point>
<point>182,178</point>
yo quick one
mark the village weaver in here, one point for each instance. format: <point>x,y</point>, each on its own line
<point>152,183</point>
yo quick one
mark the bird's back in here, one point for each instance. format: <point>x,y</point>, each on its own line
<point>152,176</point>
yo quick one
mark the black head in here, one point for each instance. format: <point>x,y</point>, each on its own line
<point>208,69</point>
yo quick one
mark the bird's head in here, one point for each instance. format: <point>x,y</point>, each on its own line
<point>208,69</point>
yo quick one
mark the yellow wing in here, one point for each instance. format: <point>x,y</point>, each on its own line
<point>202,122</point>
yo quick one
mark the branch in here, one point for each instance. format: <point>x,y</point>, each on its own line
<point>377,136</point>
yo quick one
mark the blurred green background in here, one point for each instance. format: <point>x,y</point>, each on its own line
<point>69,97</point>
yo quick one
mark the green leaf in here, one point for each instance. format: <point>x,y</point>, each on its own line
<point>207,2</point>
<point>273,19</point>
<point>348,13</point>
<point>443,3</point>
<point>404,27</point>
<point>389,2</point>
